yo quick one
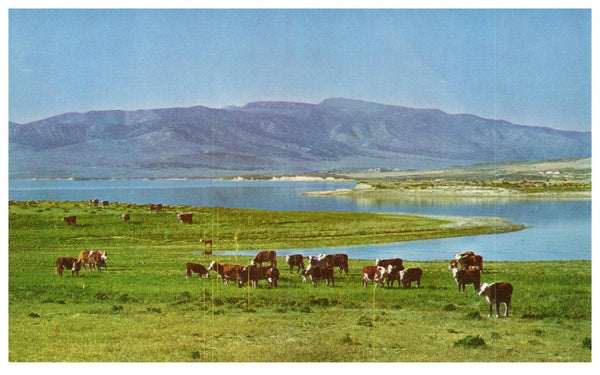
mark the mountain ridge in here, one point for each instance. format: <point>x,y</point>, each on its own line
<point>273,137</point>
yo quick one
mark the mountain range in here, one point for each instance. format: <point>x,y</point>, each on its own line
<point>336,135</point>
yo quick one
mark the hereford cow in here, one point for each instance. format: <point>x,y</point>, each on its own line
<point>185,218</point>
<point>105,203</point>
<point>93,259</point>
<point>314,261</point>
<point>296,260</point>
<point>468,276</point>
<point>72,264</point>
<point>393,273</point>
<point>226,271</point>
<point>376,274</point>
<point>497,293</point>
<point>407,276</point>
<point>468,259</point>
<point>319,273</point>
<point>70,220</point>
<point>155,207</point>
<point>196,268</point>
<point>125,217</point>
<point>266,256</point>
<point>94,202</point>
<point>252,274</point>
<point>336,260</point>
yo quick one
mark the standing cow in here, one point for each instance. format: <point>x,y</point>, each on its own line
<point>295,260</point>
<point>407,276</point>
<point>497,293</point>
<point>266,256</point>
<point>72,264</point>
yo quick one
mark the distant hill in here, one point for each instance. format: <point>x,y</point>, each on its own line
<point>273,138</point>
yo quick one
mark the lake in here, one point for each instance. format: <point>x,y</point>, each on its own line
<point>558,229</point>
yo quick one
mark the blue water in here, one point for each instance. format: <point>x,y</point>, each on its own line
<point>558,229</point>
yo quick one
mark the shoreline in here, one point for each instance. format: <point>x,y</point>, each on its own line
<point>450,192</point>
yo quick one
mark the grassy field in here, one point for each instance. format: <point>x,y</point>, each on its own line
<point>142,308</point>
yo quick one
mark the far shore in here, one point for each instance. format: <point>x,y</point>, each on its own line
<point>363,190</point>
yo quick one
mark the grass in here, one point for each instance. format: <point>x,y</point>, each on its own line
<point>143,309</point>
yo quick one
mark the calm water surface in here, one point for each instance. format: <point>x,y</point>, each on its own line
<point>558,229</point>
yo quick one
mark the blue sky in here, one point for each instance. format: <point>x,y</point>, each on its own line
<point>530,67</point>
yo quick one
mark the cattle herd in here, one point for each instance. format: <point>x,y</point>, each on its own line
<point>466,267</point>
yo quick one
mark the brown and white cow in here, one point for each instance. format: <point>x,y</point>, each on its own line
<point>266,256</point>
<point>319,273</point>
<point>126,217</point>
<point>408,275</point>
<point>69,263</point>
<point>393,272</point>
<point>375,274</point>
<point>336,260</point>
<point>185,217</point>
<point>468,259</point>
<point>93,259</point>
<point>105,203</point>
<point>252,274</point>
<point>497,293</point>
<point>226,271</point>
<point>155,207</point>
<point>295,260</point>
<point>70,220</point>
<point>468,276</point>
<point>196,268</point>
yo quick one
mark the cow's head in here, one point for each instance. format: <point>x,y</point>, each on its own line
<point>484,289</point>
<point>101,263</point>
<point>453,264</point>
<point>287,258</point>
<point>103,255</point>
<point>76,265</point>
<point>401,273</point>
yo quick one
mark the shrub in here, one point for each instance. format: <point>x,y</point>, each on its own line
<point>449,307</point>
<point>587,343</point>
<point>471,342</point>
<point>365,321</point>
<point>473,315</point>
<point>347,339</point>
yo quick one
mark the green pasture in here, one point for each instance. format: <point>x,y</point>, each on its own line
<point>143,309</point>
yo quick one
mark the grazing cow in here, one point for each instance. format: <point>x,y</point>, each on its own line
<point>296,260</point>
<point>266,256</point>
<point>70,220</point>
<point>155,207</point>
<point>336,260</point>
<point>94,202</point>
<point>226,271</point>
<point>252,274</point>
<point>185,217</point>
<point>125,217</point>
<point>468,276</point>
<point>407,276</point>
<point>497,293</point>
<point>376,274</point>
<point>197,268</point>
<point>72,264</point>
<point>314,261</point>
<point>105,203</point>
<point>468,259</point>
<point>319,273</point>
<point>94,259</point>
